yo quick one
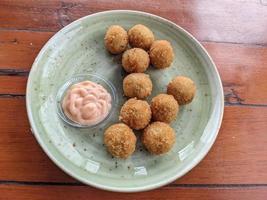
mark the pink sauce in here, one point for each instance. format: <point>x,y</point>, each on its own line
<point>86,103</point>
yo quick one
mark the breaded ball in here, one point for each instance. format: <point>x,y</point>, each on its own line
<point>183,89</point>
<point>164,108</point>
<point>137,85</point>
<point>135,113</point>
<point>158,138</point>
<point>161,54</point>
<point>116,39</point>
<point>135,60</point>
<point>140,36</point>
<point>120,140</point>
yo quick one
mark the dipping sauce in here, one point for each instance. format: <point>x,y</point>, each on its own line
<point>87,103</point>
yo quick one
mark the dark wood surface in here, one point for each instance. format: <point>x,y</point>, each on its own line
<point>42,192</point>
<point>235,34</point>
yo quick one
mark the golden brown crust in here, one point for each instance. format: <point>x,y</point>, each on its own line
<point>161,54</point>
<point>140,36</point>
<point>164,108</point>
<point>135,113</point>
<point>135,60</point>
<point>183,89</point>
<point>137,85</point>
<point>116,39</point>
<point>158,138</point>
<point>120,140</point>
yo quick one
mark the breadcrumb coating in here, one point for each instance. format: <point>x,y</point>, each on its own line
<point>158,138</point>
<point>135,113</point>
<point>161,54</point>
<point>116,39</point>
<point>140,36</point>
<point>164,108</point>
<point>183,89</point>
<point>120,140</point>
<point>137,85</point>
<point>135,60</point>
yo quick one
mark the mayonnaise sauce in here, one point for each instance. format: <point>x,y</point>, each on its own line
<point>86,103</point>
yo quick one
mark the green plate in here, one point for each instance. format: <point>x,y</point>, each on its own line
<point>78,49</point>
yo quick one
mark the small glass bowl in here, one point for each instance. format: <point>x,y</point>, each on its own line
<point>88,77</point>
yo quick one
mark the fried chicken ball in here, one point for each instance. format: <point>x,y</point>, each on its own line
<point>140,36</point>
<point>135,113</point>
<point>183,89</point>
<point>116,39</point>
<point>137,85</point>
<point>120,140</point>
<point>161,54</point>
<point>164,108</point>
<point>135,60</point>
<point>158,138</point>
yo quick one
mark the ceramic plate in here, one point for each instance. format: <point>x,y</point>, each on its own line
<point>78,49</point>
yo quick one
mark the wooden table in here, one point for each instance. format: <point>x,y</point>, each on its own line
<point>234,33</point>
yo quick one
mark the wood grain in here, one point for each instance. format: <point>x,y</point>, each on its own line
<point>243,72</point>
<point>18,49</point>
<point>233,159</point>
<point>20,154</point>
<point>239,154</point>
<point>13,85</point>
<point>234,33</point>
<point>225,21</point>
<point>83,192</point>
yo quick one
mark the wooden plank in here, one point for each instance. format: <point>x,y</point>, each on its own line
<point>21,158</point>
<point>233,159</point>
<point>29,14</point>
<point>13,84</point>
<point>208,20</point>
<point>18,49</point>
<point>239,153</point>
<point>242,71</point>
<point>83,192</point>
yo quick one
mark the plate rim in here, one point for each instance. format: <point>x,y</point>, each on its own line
<point>193,163</point>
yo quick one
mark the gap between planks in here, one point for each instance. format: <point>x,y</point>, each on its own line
<point>40,183</point>
<point>14,72</point>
